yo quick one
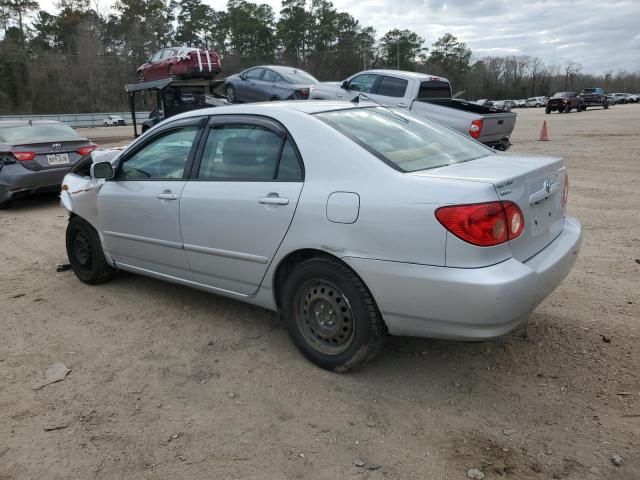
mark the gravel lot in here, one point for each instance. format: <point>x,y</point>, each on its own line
<point>168,382</point>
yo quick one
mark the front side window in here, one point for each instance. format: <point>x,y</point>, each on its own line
<point>164,158</point>
<point>247,153</point>
<point>392,87</point>
<point>405,141</point>
<point>254,74</point>
<point>363,83</point>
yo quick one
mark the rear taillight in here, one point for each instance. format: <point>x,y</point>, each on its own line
<point>24,156</point>
<point>87,150</point>
<point>483,224</point>
<point>476,128</point>
<point>565,194</point>
<point>302,94</point>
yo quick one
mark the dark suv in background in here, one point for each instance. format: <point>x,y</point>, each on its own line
<point>564,102</point>
<point>594,97</point>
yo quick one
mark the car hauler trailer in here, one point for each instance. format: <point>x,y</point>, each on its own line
<point>175,96</point>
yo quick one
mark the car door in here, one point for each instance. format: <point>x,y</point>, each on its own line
<point>362,83</point>
<point>238,206</point>
<point>267,85</point>
<point>391,90</point>
<point>139,208</point>
<point>246,87</point>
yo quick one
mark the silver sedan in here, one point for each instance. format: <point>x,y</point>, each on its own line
<point>268,82</point>
<point>354,222</point>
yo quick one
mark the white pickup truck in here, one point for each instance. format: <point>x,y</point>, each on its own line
<point>425,95</point>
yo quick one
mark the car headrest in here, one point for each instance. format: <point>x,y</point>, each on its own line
<point>240,151</point>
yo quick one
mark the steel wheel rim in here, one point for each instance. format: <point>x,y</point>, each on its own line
<point>324,317</point>
<point>82,249</point>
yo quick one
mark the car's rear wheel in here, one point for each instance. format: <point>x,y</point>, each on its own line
<point>85,253</point>
<point>141,77</point>
<point>5,205</point>
<point>331,315</point>
<point>547,110</point>
<point>170,74</point>
<point>606,106</point>
<point>230,93</point>
<point>567,109</point>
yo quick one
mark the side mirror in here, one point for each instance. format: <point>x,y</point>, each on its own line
<point>345,85</point>
<point>101,170</point>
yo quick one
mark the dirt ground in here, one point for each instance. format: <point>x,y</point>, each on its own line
<point>168,382</point>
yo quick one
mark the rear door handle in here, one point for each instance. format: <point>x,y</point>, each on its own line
<point>274,201</point>
<point>167,196</point>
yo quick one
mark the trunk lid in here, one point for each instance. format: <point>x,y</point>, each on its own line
<point>52,154</point>
<point>535,184</point>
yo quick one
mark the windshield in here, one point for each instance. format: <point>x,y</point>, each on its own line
<point>38,133</point>
<point>407,143</point>
<point>589,90</point>
<point>563,94</point>
<point>298,76</point>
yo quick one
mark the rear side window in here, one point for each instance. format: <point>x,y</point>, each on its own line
<point>392,87</point>
<point>248,153</point>
<point>402,140</point>
<point>270,76</point>
<point>434,89</point>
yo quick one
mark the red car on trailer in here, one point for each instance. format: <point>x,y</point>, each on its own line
<point>180,62</point>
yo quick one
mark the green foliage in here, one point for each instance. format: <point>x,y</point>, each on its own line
<point>453,57</point>
<point>402,49</point>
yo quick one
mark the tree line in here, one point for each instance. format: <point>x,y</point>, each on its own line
<point>79,58</point>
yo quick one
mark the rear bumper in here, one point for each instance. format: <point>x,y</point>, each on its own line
<point>17,181</point>
<point>467,304</point>
<point>503,144</point>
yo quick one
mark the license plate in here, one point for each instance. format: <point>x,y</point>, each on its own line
<point>58,159</point>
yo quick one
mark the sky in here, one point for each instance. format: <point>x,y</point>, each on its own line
<point>600,35</point>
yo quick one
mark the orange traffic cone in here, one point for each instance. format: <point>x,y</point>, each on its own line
<point>543,133</point>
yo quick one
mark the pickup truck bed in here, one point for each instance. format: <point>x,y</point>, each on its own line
<point>497,125</point>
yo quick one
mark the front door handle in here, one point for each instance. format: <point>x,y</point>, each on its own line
<point>167,196</point>
<point>274,201</point>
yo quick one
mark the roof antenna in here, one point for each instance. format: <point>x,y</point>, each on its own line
<point>356,101</point>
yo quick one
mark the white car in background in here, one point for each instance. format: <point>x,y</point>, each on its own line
<point>113,121</point>
<point>537,102</point>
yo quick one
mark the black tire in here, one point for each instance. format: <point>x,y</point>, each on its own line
<point>274,99</point>
<point>85,253</point>
<point>606,106</point>
<point>567,109</point>
<point>584,108</point>
<point>140,77</point>
<point>170,74</point>
<point>230,94</point>
<point>547,111</point>
<point>6,205</point>
<point>350,328</point>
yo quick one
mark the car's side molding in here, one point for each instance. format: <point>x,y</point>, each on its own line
<point>138,238</point>
<point>227,253</point>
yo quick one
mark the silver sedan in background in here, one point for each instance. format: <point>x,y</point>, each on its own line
<point>269,82</point>
<point>36,155</point>
<point>353,221</point>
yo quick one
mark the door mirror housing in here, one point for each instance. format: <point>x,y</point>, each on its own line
<point>101,170</point>
<point>345,85</point>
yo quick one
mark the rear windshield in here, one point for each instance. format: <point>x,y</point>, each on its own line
<point>38,133</point>
<point>434,89</point>
<point>298,76</point>
<point>406,142</point>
